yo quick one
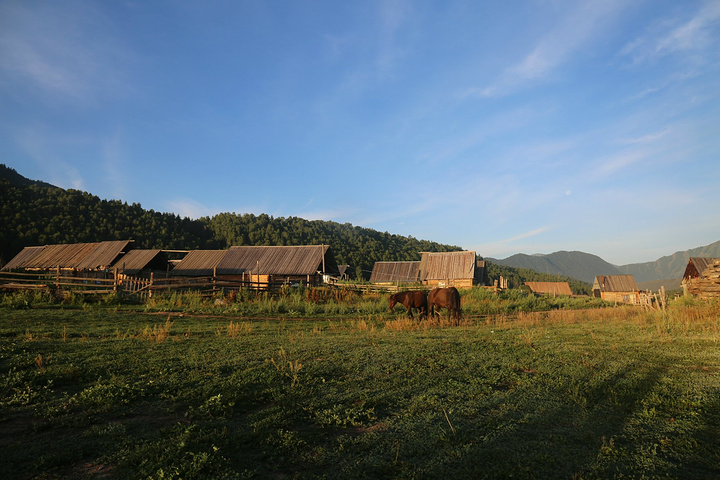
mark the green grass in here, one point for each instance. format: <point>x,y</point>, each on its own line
<point>101,392</point>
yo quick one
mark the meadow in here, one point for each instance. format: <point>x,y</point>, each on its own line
<point>331,385</point>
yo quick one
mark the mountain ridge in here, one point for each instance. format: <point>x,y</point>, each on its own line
<point>585,266</point>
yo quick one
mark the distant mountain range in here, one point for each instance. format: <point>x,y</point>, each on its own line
<point>585,266</point>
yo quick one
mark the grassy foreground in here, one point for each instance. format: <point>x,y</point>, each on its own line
<point>599,393</point>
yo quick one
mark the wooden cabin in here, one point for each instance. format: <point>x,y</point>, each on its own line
<point>141,262</point>
<point>79,259</point>
<point>262,265</point>
<point>550,288</point>
<point>392,273</point>
<point>198,263</point>
<point>702,277</point>
<point>303,264</point>
<point>616,288</point>
<point>448,269</point>
<point>435,269</point>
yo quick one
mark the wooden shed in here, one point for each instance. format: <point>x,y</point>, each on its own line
<point>446,269</point>
<point>199,263</point>
<point>550,288</point>
<point>702,277</point>
<point>78,257</point>
<point>137,261</point>
<point>435,269</point>
<point>616,288</point>
<point>307,264</point>
<point>395,272</point>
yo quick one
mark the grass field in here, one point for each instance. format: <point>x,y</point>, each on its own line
<point>103,391</point>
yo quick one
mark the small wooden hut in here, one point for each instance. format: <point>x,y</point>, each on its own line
<point>446,269</point>
<point>702,277</point>
<point>616,288</point>
<point>395,272</point>
<point>142,262</point>
<point>81,259</point>
<point>301,264</point>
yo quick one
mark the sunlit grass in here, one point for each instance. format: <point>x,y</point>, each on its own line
<point>559,393</point>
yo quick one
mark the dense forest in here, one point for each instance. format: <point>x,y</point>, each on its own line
<point>37,213</point>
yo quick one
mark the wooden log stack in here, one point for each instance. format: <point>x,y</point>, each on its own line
<point>708,284</point>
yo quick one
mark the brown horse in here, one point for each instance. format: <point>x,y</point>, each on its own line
<point>445,298</point>
<point>411,299</point>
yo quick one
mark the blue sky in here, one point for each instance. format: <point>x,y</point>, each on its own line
<point>501,127</point>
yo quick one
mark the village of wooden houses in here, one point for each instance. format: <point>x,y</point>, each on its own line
<point>115,266</point>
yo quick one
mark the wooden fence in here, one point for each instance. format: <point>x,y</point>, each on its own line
<point>144,287</point>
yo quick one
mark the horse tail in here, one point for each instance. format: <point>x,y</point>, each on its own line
<point>456,303</point>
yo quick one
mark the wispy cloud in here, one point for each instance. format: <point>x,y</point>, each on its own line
<point>670,36</point>
<point>645,139</point>
<point>529,234</point>
<point>188,207</point>
<point>391,16</point>
<point>573,31</point>
<point>60,50</point>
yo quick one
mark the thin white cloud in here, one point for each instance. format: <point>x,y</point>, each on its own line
<point>613,164</point>
<point>65,52</point>
<point>187,207</point>
<point>645,139</point>
<point>572,33</point>
<point>525,235</point>
<point>669,36</point>
<point>392,17</point>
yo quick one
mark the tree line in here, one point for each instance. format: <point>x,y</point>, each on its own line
<point>37,213</point>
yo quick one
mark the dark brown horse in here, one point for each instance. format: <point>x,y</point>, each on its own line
<point>411,299</point>
<point>445,298</point>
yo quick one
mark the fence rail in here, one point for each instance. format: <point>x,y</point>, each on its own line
<point>143,288</point>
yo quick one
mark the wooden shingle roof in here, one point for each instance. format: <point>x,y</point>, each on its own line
<point>136,260</point>
<point>277,260</point>
<point>82,256</point>
<point>23,258</point>
<point>390,272</point>
<point>447,265</point>
<point>696,266</point>
<point>199,263</point>
<point>615,283</point>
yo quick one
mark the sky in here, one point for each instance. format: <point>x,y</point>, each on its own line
<point>501,127</point>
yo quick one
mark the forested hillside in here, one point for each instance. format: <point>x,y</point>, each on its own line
<point>36,213</point>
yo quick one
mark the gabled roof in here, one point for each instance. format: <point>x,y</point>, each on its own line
<point>696,266</point>
<point>615,283</point>
<point>551,288</point>
<point>103,255</point>
<point>136,260</point>
<point>199,263</point>
<point>83,256</point>
<point>23,258</point>
<point>447,265</point>
<point>405,272</point>
<point>277,260</point>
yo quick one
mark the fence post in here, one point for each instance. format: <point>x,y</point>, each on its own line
<point>214,281</point>
<point>152,277</point>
